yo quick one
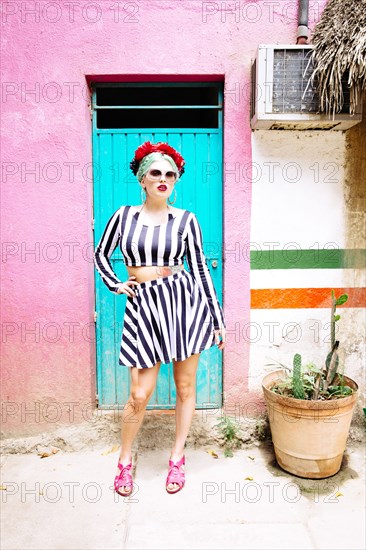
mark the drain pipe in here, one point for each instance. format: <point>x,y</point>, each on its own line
<point>303,17</point>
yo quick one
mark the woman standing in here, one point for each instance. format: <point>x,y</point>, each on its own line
<point>171,314</point>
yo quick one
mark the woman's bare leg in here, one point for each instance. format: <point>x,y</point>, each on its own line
<point>185,381</point>
<point>143,382</point>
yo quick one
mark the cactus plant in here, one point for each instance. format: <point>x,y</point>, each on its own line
<point>310,382</point>
<point>309,432</point>
<point>297,385</point>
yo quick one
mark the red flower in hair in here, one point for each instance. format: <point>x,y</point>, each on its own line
<point>143,150</point>
<point>160,147</point>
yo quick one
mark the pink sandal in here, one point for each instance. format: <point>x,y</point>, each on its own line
<point>124,479</point>
<point>176,475</point>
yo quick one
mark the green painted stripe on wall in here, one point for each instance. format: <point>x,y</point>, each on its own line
<point>293,257</point>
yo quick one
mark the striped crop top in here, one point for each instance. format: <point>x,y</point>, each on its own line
<point>149,245</point>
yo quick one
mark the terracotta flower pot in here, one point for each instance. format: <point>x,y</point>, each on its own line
<point>309,437</point>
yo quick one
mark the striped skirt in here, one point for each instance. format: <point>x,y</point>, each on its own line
<point>169,318</point>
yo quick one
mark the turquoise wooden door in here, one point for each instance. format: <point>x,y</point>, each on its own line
<point>199,190</point>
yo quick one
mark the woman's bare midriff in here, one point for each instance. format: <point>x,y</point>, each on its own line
<point>145,273</point>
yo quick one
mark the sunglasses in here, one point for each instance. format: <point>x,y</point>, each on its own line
<point>156,175</point>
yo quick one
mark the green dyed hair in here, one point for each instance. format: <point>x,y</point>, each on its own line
<point>149,159</point>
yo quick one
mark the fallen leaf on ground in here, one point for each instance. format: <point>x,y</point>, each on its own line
<point>251,457</point>
<point>111,450</point>
<point>338,494</point>
<point>212,453</point>
<point>249,478</point>
<point>45,454</point>
<point>3,488</point>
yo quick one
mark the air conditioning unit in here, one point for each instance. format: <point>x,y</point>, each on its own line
<point>285,98</point>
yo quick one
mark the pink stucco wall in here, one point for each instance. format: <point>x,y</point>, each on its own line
<point>50,51</point>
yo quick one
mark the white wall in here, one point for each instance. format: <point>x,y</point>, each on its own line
<point>298,197</point>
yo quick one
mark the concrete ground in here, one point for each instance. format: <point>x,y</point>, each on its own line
<point>66,501</point>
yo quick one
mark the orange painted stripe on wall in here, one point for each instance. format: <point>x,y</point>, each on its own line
<point>295,298</point>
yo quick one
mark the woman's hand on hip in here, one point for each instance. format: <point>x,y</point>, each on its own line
<point>125,288</point>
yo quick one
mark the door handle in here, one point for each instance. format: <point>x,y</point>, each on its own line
<point>214,263</point>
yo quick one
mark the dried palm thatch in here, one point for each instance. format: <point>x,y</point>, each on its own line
<point>339,41</point>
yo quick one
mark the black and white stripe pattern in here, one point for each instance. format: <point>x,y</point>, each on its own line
<point>164,244</point>
<point>168,318</point>
<point>104,250</point>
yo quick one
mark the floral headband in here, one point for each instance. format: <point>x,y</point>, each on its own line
<point>160,147</point>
